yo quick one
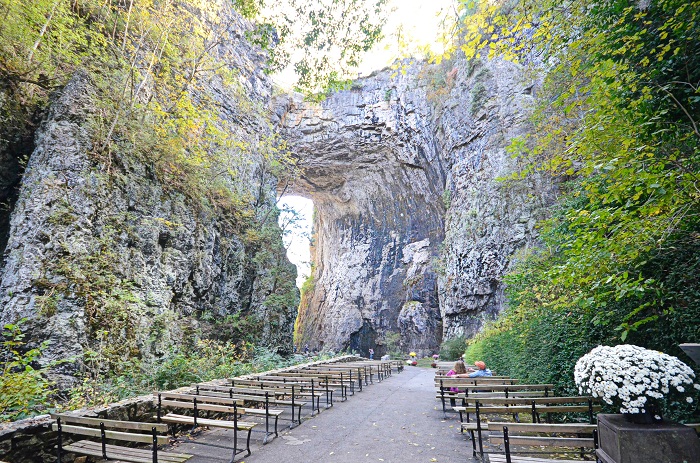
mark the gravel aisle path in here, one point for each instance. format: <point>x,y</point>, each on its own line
<point>394,421</point>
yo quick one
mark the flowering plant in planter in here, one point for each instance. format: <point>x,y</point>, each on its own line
<point>632,378</point>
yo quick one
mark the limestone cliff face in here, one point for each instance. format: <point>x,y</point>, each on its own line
<point>171,267</point>
<point>488,220</point>
<point>413,231</point>
<point>373,170</point>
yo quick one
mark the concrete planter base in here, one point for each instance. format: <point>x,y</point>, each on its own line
<point>621,441</point>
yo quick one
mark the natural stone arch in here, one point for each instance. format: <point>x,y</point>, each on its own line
<point>370,165</point>
<point>414,231</point>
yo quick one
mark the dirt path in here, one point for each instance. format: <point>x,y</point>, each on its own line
<point>394,421</point>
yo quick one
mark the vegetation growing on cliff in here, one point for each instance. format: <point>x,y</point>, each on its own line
<point>617,122</point>
<point>172,99</point>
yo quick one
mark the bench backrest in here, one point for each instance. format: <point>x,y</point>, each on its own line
<point>507,387</point>
<point>93,427</point>
<point>199,402</point>
<point>509,438</point>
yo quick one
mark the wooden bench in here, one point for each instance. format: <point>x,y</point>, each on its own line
<point>265,412</point>
<point>307,385</point>
<point>361,374</point>
<point>209,404</point>
<point>342,376</point>
<point>535,409</point>
<point>535,406</point>
<point>275,392</point>
<point>505,390</point>
<point>266,400</point>
<point>127,431</point>
<point>513,435</point>
<point>327,384</point>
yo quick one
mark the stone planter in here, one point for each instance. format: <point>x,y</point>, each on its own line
<point>621,441</point>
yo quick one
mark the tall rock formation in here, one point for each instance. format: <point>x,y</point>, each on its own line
<point>170,267</point>
<point>370,164</point>
<point>413,229</point>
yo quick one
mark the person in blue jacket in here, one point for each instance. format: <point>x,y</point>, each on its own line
<point>480,370</point>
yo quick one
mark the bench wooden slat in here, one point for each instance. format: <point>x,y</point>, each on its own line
<point>526,409</point>
<point>262,411</point>
<point>200,398</point>
<point>204,392</point>
<point>114,452</point>
<point>495,458</point>
<point>227,424</point>
<point>115,424</point>
<point>257,398</point>
<point>473,426</point>
<point>116,435</point>
<point>509,387</point>
<point>477,395</point>
<point>537,400</point>
<point>551,428</point>
<point>201,406</point>
<point>546,441</point>
<point>274,391</point>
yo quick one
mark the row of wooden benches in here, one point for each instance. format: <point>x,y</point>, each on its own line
<point>508,396</point>
<point>222,405</point>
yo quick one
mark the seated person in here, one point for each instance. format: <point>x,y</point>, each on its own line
<point>459,371</point>
<point>480,371</point>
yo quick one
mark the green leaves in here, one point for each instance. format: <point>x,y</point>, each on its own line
<point>616,121</point>
<point>23,389</point>
<point>322,40</point>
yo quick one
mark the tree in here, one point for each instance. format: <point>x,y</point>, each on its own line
<point>618,113</point>
<point>322,39</point>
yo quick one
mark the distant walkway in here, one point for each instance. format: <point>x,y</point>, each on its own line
<point>394,421</point>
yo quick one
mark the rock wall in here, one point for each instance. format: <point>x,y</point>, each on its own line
<point>371,166</point>
<point>488,219</point>
<point>413,229</point>
<point>169,266</point>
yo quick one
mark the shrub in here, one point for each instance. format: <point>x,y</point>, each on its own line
<point>24,389</point>
<point>452,349</point>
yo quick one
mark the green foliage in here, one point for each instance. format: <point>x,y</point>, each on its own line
<point>392,345</point>
<point>447,198</point>
<point>309,284</point>
<point>440,80</point>
<point>24,387</point>
<point>206,360</point>
<point>616,120</point>
<point>478,94</point>
<point>332,35</point>
<point>453,348</point>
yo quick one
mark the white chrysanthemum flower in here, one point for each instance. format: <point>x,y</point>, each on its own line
<point>631,376</point>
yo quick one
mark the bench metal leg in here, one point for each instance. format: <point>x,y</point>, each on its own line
<point>471,434</point>
<point>247,443</point>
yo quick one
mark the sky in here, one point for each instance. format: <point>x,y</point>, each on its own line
<point>415,20</point>
<point>418,22</point>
